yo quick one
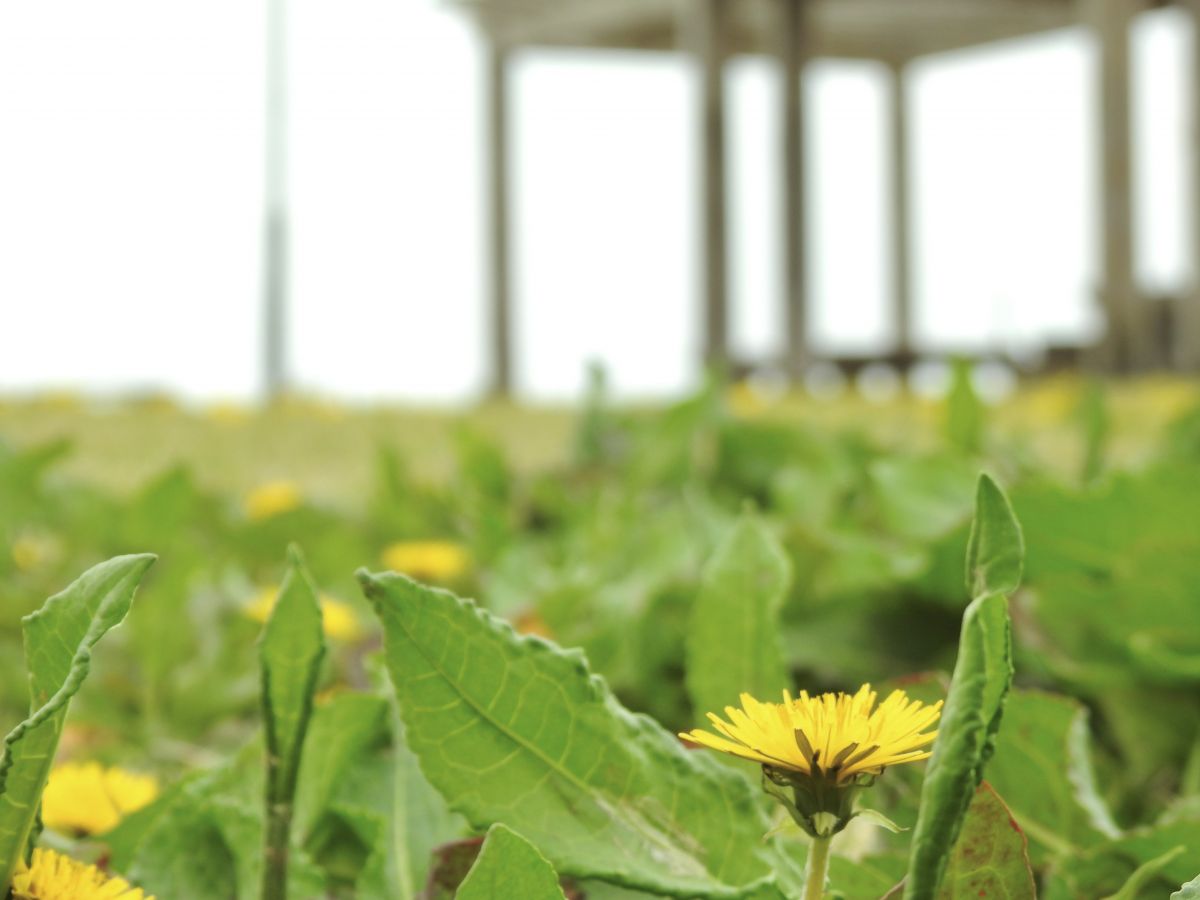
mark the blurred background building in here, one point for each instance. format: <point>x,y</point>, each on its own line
<point>492,193</point>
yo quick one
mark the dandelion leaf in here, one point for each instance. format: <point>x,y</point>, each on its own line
<point>990,857</point>
<point>513,729</point>
<point>1189,891</point>
<point>733,640</point>
<point>290,653</point>
<point>509,866</point>
<point>59,639</point>
<point>966,735</point>
<point>996,549</point>
<point>1043,769</point>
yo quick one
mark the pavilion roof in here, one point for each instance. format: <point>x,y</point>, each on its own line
<point>888,30</point>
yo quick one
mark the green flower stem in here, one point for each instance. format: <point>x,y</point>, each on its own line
<point>817,868</point>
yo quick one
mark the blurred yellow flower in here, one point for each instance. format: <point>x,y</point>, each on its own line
<point>745,400</point>
<point>834,737</point>
<point>56,877</point>
<point>272,499</point>
<point>438,561</point>
<point>87,798</point>
<point>338,619</point>
<point>29,551</point>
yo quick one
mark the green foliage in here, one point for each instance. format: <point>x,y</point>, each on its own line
<point>509,866</point>
<point>982,676</point>
<point>990,857</point>
<point>1043,768</point>
<point>1145,874</point>
<point>206,838</point>
<point>995,549</point>
<point>1190,891</point>
<point>964,410</point>
<point>733,641</point>
<point>59,639</point>
<point>515,730</point>
<point>636,549</point>
<point>290,650</point>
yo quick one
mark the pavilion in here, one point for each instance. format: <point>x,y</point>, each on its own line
<point>894,32</point>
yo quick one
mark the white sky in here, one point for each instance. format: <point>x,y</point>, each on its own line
<point>130,182</point>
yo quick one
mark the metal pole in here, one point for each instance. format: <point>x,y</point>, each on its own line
<point>902,247</point>
<point>275,218</point>
<point>496,101</point>
<point>709,35</point>
<point>791,58</point>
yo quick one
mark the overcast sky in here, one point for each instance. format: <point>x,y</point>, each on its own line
<point>131,176</point>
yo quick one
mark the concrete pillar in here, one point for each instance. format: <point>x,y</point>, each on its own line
<point>1128,343</point>
<point>707,29</point>
<point>499,280</point>
<point>275,249</point>
<point>1187,330</point>
<point>791,69</point>
<point>901,212</point>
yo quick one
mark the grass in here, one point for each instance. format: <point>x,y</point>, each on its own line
<point>329,449</point>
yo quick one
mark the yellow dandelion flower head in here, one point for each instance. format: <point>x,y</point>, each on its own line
<point>427,560</point>
<point>271,499</point>
<point>53,876</point>
<point>32,550</point>
<point>838,737</point>
<point>338,620</point>
<point>88,798</point>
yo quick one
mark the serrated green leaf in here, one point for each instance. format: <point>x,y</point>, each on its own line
<point>59,639</point>
<point>290,653</point>
<point>1189,891</point>
<point>733,642</point>
<point>516,730</point>
<point>510,866</point>
<point>990,858</point>
<point>996,548</point>
<point>966,734</point>
<point>1042,767</point>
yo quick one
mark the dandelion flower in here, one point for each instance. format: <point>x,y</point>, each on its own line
<point>437,561</point>
<point>817,753</point>
<point>836,737</point>
<point>338,620</point>
<point>824,748</point>
<point>87,798</point>
<point>56,877</point>
<point>271,499</point>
